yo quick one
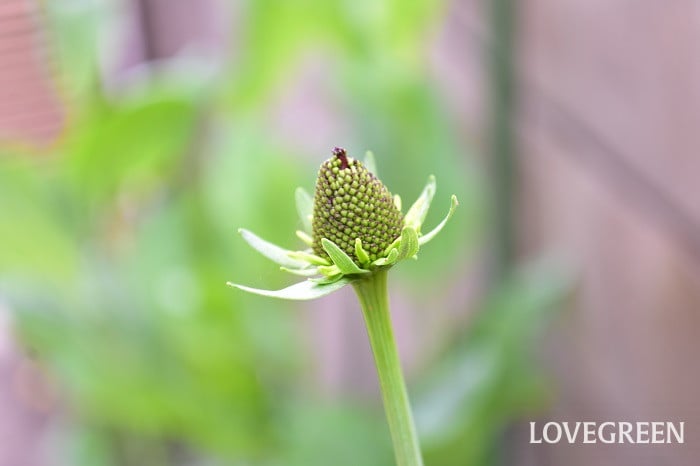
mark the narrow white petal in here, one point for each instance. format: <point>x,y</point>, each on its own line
<point>272,251</point>
<point>301,291</point>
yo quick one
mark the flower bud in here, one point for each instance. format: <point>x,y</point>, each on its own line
<point>349,203</point>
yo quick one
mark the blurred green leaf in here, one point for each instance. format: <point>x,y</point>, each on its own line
<point>315,433</point>
<point>33,237</point>
<point>132,220</point>
<point>490,377</point>
<point>74,28</point>
<point>134,146</point>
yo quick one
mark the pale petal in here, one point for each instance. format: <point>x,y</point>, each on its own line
<point>370,163</point>
<point>308,257</point>
<point>305,207</point>
<point>416,214</point>
<point>310,272</point>
<point>329,270</point>
<point>427,237</point>
<point>305,238</point>
<point>272,251</point>
<point>328,279</point>
<point>301,291</point>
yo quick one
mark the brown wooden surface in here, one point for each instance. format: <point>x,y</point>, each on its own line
<point>609,179</point>
<point>610,111</point>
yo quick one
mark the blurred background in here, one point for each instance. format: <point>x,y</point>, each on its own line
<point>137,136</point>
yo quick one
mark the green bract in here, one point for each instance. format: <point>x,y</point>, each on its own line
<point>352,227</point>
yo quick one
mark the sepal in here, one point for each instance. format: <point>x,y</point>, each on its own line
<point>300,291</point>
<point>272,251</point>
<point>305,207</point>
<point>346,265</point>
<point>433,233</point>
<point>416,214</point>
<point>371,163</point>
<point>408,246</point>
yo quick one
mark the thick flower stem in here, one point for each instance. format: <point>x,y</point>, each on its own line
<point>374,299</point>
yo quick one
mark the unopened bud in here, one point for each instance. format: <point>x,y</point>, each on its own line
<point>349,203</point>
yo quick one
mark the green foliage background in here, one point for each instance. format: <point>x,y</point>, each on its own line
<point>117,242</point>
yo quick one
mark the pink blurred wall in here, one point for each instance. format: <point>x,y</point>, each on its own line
<point>608,127</point>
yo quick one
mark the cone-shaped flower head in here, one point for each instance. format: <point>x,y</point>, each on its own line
<point>353,226</point>
<point>350,203</point>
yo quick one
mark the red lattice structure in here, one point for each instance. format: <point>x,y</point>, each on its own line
<point>30,112</point>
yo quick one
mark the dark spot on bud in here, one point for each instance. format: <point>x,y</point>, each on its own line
<point>342,156</point>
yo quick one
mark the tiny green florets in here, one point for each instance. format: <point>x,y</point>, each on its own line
<point>349,203</point>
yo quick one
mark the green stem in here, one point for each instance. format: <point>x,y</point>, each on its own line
<point>374,299</point>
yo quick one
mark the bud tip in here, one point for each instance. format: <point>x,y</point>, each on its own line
<point>342,155</point>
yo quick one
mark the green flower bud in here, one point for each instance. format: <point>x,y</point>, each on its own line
<point>350,203</point>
